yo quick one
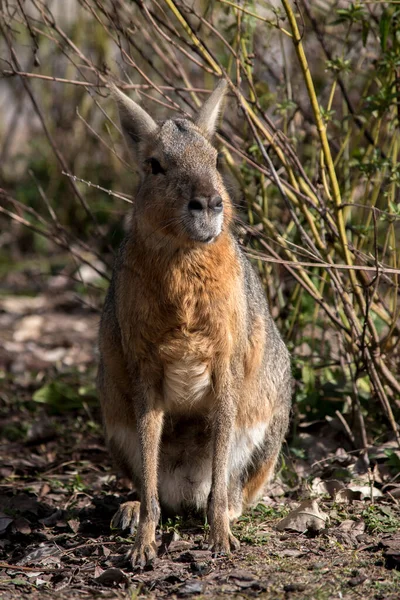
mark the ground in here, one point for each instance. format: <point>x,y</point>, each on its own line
<point>59,491</point>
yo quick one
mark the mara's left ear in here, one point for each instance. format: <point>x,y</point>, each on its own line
<point>136,123</point>
<point>209,112</point>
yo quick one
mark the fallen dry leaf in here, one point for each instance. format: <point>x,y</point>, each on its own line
<point>391,546</point>
<point>307,517</point>
<point>22,525</point>
<point>43,555</point>
<point>112,577</point>
<point>4,522</point>
<point>348,532</point>
<point>328,487</point>
<point>74,525</point>
<point>357,492</point>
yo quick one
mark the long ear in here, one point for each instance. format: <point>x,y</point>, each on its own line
<point>209,112</point>
<point>135,121</point>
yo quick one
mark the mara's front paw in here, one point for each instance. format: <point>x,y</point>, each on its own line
<point>222,542</point>
<point>142,554</point>
<point>126,517</point>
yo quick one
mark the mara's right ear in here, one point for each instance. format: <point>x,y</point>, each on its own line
<point>209,112</point>
<point>136,123</point>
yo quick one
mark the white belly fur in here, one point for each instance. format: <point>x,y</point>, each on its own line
<point>189,484</point>
<point>244,443</point>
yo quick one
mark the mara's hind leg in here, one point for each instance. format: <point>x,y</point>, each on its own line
<point>246,490</point>
<point>127,515</point>
<point>235,499</point>
<point>257,479</point>
<point>125,454</point>
<point>262,465</point>
<point>123,443</point>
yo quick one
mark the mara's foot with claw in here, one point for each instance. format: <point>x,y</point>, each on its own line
<point>222,542</point>
<point>142,554</point>
<point>126,517</point>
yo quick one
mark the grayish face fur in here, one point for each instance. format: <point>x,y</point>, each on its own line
<point>180,174</point>
<point>182,197</point>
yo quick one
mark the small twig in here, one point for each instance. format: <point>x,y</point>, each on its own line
<point>123,86</point>
<point>258,17</point>
<point>121,195</point>
<point>4,565</point>
<point>346,426</point>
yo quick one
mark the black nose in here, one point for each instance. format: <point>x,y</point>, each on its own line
<point>201,203</point>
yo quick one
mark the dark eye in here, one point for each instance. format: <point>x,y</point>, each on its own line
<point>155,166</point>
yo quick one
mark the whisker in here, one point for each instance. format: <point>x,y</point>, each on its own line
<point>171,221</point>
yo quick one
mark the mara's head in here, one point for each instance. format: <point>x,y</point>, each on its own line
<point>181,195</point>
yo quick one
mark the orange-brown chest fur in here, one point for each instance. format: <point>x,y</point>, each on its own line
<point>180,314</point>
